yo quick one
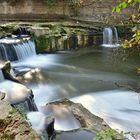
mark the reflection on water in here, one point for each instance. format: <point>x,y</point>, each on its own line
<point>79,135</point>
<point>64,119</point>
<point>78,74</point>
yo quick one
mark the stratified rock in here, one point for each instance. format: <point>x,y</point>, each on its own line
<point>13,125</point>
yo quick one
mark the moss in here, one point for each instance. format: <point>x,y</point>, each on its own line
<point>3,124</point>
<point>42,43</point>
<point>58,29</point>
<point>21,112</point>
<point>110,134</point>
<point>5,136</point>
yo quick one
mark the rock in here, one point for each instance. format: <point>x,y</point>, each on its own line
<point>2,95</point>
<point>86,119</point>
<point>13,125</point>
<point>6,69</point>
<point>50,126</point>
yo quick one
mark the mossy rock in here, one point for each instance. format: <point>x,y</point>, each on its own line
<point>13,125</point>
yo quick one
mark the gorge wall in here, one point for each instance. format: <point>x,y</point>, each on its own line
<point>91,10</point>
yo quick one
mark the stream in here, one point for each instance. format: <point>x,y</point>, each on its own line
<point>91,77</point>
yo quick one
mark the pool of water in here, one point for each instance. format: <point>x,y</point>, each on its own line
<point>78,135</point>
<point>91,77</point>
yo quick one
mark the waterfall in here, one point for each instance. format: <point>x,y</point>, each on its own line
<point>116,39</point>
<point>3,53</point>
<point>18,95</point>
<point>27,105</point>
<point>11,49</point>
<point>1,76</point>
<point>25,49</point>
<point>110,37</point>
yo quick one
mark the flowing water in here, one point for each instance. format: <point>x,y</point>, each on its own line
<point>91,77</point>
<point>110,37</point>
<point>1,76</point>
<point>16,48</point>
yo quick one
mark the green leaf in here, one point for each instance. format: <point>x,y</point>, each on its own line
<point>118,9</point>
<point>123,5</point>
<point>138,1</point>
<point>114,10</point>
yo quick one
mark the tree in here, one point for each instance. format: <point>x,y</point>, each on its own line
<point>134,20</point>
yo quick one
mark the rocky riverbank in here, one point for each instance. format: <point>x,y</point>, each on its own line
<point>13,125</point>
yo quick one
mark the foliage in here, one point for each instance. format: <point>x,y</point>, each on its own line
<point>134,20</point>
<point>109,134</point>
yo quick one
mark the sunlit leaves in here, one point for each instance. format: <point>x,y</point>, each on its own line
<point>109,134</point>
<point>134,19</point>
<point>120,7</point>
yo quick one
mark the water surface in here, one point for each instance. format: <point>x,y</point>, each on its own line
<point>91,77</point>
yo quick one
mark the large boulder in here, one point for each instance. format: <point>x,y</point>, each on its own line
<point>86,118</point>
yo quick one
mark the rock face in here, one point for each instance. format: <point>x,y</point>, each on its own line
<point>92,10</point>
<point>13,125</point>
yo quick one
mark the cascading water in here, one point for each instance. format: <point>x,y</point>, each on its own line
<point>110,37</point>
<point>18,95</point>
<point>1,76</point>
<point>28,104</point>
<point>3,53</point>
<point>16,49</point>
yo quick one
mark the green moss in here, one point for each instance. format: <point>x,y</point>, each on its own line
<point>21,111</point>
<point>7,137</point>
<point>110,134</point>
<point>3,124</point>
<point>42,43</point>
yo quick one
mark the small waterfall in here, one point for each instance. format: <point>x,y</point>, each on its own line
<point>3,53</point>
<point>1,76</point>
<point>27,105</point>
<point>25,49</point>
<point>16,50</point>
<point>110,37</point>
